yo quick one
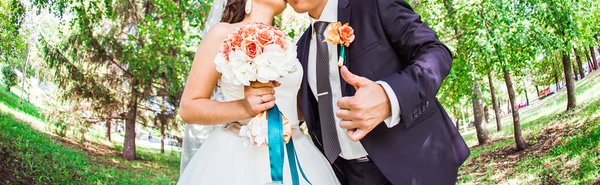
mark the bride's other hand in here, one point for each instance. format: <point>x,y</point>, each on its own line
<point>260,97</point>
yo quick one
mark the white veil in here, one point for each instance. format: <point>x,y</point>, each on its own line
<point>195,134</point>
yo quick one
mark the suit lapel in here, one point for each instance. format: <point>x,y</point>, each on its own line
<point>305,93</point>
<point>344,17</point>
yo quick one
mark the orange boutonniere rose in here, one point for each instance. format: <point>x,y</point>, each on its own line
<point>342,35</point>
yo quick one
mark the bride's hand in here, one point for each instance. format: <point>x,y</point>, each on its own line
<point>260,97</point>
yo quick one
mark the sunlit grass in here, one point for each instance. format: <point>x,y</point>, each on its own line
<point>588,89</point>
<point>42,158</point>
<point>572,157</point>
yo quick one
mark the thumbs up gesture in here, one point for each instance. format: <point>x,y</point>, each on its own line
<point>361,113</point>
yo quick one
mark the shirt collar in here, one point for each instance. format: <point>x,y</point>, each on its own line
<point>329,14</point>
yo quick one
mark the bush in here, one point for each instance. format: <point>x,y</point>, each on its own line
<point>9,76</point>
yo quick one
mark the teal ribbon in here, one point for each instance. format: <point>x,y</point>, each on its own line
<point>276,153</point>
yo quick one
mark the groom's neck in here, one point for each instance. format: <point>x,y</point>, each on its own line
<point>316,13</point>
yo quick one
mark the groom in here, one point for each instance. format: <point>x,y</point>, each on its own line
<point>378,120</point>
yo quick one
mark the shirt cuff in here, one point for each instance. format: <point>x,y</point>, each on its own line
<point>394,119</point>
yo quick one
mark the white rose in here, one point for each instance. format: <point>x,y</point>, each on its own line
<point>259,131</point>
<point>265,70</point>
<point>243,72</point>
<point>221,62</point>
<point>279,61</point>
<point>246,135</point>
<point>239,55</point>
<point>263,133</point>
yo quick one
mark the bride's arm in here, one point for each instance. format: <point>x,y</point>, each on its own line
<point>196,106</point>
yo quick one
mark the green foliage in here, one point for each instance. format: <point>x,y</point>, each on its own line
<point>525,37</point>
<point>119,56</point>
<point>12,45</point>
<point>9,77</point>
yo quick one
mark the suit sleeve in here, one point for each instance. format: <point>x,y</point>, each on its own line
<point>428,60</point>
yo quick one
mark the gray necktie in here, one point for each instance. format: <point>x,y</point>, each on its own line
<point>331,143</point>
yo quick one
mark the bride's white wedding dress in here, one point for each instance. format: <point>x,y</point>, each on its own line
<point>222,160</point>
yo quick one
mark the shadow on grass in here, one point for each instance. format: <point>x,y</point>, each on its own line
<point>564,148</point>
<point>33,157</point>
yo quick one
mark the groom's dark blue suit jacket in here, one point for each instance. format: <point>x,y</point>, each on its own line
<point>393,45</point>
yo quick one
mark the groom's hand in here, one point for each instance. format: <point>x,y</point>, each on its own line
<point>361,113</point>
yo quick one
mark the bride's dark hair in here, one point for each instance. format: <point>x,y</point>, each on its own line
<point>234,11</point>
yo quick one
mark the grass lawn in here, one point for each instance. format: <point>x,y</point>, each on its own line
<point>30,156</point>
<point>564,146</point>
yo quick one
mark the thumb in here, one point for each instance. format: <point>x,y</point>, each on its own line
<point>352,79</point>
<point>356,135</point>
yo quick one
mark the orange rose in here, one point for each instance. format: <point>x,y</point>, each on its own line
<point>264,37</point>
<point>251,48</point>
<point>346,34</point>
<point>333,36</point>
<point>225,49</point>
<point>262,26</point>
<point>282,42</point>
<point>236,40</point>
<point>249,31</point>
<point>280,33</point>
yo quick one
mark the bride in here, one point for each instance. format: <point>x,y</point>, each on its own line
<point>222,159</point>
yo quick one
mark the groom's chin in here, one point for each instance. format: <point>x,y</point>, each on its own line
<point>295,4</point>
<point>299,11</point>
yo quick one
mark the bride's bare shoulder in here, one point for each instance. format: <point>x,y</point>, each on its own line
<point>219,31</point>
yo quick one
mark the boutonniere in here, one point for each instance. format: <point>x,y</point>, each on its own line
<point>342,35</point>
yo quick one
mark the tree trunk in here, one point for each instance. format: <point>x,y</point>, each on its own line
<point>495,103</point>
<point>454,111</point>
<point>598,62</point>
<point>555,77</point>
<point>579,64</point>
<point>129,152</point>
<point>162,135</point>
<point>457,125</point>
<point>520,142</point>
<point>486,115</point>
<point>465,121</point>
<point>569,81</point>
<point>575,72</point>
<point>108,131</point>
<point>526,96</point>
<point>589,62</point>
<point>24,77</point>
<point>594,58</point>
<point>537,89</point>
<point>482,132</point>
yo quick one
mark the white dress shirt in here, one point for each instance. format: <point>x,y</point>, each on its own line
<point>350,149</point>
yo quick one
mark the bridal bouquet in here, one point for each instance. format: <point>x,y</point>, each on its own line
<point>257,52</point>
